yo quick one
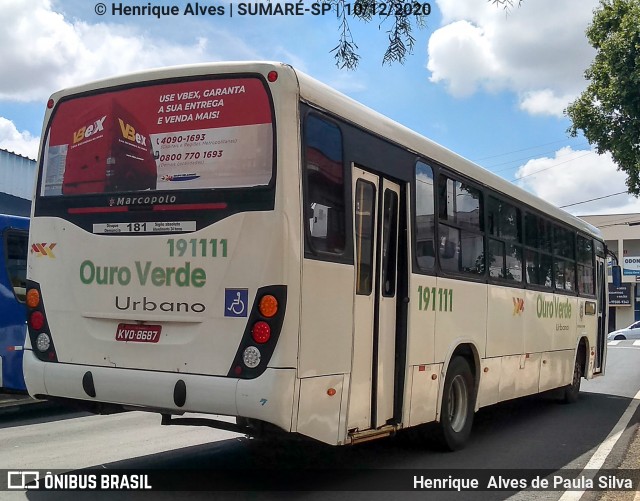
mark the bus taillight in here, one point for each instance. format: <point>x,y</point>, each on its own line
<point>251,357</point>
<point>36,320</point>
<point>268,306</point>
<point>33,298</point>
<point>43,342</point>
<point>261,332</point>
<point>39,332</point>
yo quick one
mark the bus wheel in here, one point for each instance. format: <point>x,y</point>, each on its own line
<point>458,401</point>
<point>572,390</point>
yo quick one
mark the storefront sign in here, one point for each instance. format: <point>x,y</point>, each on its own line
<point>620,295</point>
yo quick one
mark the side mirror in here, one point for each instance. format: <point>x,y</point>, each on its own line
<point>616,273</point>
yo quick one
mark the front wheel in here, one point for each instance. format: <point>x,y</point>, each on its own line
<point>572,390</point>
<point>458,402</point>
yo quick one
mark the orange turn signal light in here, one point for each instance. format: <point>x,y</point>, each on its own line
<point>33,298</point>
<point>268,306</point>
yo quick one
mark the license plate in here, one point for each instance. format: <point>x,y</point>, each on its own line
<point>138,333</point>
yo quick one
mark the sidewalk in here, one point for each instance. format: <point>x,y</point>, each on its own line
<point>632,462</point>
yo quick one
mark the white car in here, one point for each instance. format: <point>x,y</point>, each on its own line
<point>631,332</point>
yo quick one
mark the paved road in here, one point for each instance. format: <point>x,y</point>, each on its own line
<point>532,433</point>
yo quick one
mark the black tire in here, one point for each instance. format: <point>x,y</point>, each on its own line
<point>458,403</point>
<point>619,337</point>
<point>571,391</point>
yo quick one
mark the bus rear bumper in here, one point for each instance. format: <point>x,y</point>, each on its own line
<point>268,398</point>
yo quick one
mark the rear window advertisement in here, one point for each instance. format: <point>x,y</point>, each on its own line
<point>188,135</point>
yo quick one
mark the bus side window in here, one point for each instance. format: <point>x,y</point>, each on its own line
<point>505,240</point>
<point>586,269</point>
<point>425,217</point>
<point>460,227</point>
<point>324,193</point>
<point>16,246</point>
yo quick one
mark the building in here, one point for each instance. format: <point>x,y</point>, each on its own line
<point>17,179</point>
<point>622,236</point>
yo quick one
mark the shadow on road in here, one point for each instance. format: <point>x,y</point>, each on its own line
<point>36,413</point>
<point>531,433</point>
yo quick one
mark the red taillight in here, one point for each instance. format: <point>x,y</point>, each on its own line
<point>36,320</point>
<point>50,103</point>
<point>272,76</point>
<point>261,332</point>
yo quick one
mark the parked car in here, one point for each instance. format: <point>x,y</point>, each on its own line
<point>631,332</point>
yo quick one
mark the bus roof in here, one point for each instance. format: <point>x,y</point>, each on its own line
<point>329,99</point>
<point>11,221</point>
<point>337,103</point>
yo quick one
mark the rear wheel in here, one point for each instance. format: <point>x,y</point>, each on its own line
<point>458,402</point>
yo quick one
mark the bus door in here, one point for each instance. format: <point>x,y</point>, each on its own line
<point>601,291</point>
<point>376,204</point>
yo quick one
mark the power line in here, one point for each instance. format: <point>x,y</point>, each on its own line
<point>593,199</point>
<point>547,168</point>
<point>491,167</point>
<point>523,149</point>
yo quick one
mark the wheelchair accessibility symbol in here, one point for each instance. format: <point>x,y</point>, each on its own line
<point>236,302</point>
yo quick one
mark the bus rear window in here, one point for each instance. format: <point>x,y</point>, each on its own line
<point>187,135</point>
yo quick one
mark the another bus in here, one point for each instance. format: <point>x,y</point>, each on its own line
<point>14,238</point>
<point>301,262</point>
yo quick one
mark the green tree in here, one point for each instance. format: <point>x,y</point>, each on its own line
<point>402,16</point>
<point>608,111</point>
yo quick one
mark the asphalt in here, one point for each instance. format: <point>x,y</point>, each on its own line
<point>15,403</point>
<point>10,402</point>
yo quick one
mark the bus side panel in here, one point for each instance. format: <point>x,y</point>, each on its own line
<point>268,398</point>
<point>551,324</point>
<point>519,376</point>
<point>556,369</point>
<point>11,353</point>
<point>424,393</point>
<point>506,315</point>
<point>422,321</point>
<point>12,311</point>
<point>327,319</point>
<point>489,389</point>
<point>539,325</point>
<point>565,312</point>
<point>461,316</point>
<point>319,407</point>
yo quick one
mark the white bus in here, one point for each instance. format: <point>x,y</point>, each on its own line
<point>238,239</point>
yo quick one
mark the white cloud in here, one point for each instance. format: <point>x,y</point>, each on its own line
<point>42,51</point>
<point>468,46</point>
<point>538,50</point>
<point>22,143</point>
<point>573,176</point>
<point>545,102</point>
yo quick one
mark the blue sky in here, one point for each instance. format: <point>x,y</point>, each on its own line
<point>485,84</point>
